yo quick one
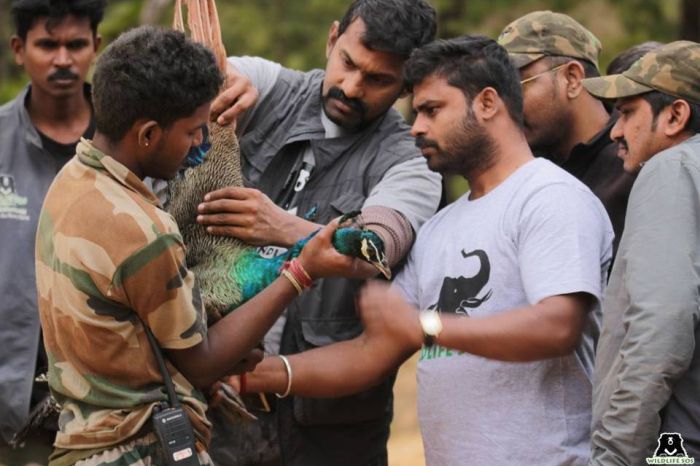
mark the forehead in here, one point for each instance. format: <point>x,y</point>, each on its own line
<point>635,101</point>
<point>196,119</point>
<point>67,27</point>
<point>436,88</point>
<point>351,43</point>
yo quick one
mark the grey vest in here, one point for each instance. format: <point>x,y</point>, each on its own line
<point>351,430</point>
<point>26,171</point>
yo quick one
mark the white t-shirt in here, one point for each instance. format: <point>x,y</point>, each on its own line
<point>538,234</point>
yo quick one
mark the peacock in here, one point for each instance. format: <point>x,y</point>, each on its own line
<point>228,271</point>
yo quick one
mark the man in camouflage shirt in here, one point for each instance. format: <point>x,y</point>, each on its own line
<point>563,122</point>
<point>109,260</point>
<point>647,372</point>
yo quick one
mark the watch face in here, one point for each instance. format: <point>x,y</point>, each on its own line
<point>430,321</point>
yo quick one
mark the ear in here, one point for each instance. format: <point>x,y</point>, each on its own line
<point>17,46</point>
<point>97,39</point>
<point>574,73</point>
<point>149,134</point>
<point>485,104</point>
<point>332,38</point>
<point>675,117</point>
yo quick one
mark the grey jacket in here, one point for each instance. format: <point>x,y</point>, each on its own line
<point>351,430</point>
<point>26,171</point>
<point>647,373</point>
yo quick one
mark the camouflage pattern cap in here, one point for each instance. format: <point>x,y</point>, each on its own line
<point>672,69</point>
<point>545,33</point>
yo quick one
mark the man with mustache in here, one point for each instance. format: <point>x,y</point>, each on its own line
<point>327,143</point>
<point>504,378</point>
<point>563,122</point>
<point>55,41</point>
<point>647,375</point>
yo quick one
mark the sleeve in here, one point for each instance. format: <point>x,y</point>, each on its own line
<point>157,285</point>
<point>564,242</point>
<point>409,188</point>
<point>659,255</point>
<point>263,74</point>
<point>406,281</point>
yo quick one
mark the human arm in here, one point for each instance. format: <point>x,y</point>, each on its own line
<point>248,79</point>
<point>653,287</point>
<point>405,197</point>
<point>548,329</point>
<point>391,335</point>
<point>232,338</point>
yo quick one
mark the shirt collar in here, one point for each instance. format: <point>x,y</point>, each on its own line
<point>92,157</point>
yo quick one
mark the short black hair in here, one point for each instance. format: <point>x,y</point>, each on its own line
<point>26,12</point>
<point>660,100</point>
<point>151,73</point>
<point>469,63</point>
<point>589,69</point>
<point>627,57</point>
<point>393,26</point>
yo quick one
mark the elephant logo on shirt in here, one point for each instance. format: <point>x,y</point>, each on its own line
<point>458,295</point>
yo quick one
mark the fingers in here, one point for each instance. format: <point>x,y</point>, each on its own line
<point>231,192</point>
<point>233,101</point>
<point>326,233</point>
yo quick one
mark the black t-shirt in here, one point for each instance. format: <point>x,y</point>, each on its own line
<point>65,150</point>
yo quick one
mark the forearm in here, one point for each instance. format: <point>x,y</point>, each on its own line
<point>336,370</point>
<point>292,229</point>
<point>232,338</point>
<point>527,334</point>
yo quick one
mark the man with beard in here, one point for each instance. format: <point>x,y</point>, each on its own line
<point>509,279</point>
<point>55,41</point>
<point>647,375</point>
<point>563,122</point>
<point>316,145</point>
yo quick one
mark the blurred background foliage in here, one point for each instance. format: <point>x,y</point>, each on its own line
<point>294,32</point>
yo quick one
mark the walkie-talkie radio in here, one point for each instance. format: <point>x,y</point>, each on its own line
<point>170,421</point>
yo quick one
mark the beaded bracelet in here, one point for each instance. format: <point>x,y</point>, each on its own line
<point>289,377</point>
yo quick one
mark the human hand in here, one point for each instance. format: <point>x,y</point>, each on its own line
<point>238,96</point>
<point>320,258</point>
<point>247,214</point>
<point>248,363</point>
<point>388,319</point>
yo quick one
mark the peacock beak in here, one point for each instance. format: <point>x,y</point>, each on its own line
<point>376,257</point>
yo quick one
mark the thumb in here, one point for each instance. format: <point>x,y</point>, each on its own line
<point>326,233</point>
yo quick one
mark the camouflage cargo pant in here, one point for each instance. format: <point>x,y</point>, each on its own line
<point>143,451</point>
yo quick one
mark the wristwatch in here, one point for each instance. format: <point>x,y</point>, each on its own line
<point>432,326</point>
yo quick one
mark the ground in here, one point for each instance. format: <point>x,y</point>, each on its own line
<point>405,443</point>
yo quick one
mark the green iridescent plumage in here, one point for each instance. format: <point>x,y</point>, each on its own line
<point>252,272</point>
<point>228,271</point>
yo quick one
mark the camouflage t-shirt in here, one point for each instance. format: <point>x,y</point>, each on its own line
<point>107,255</point>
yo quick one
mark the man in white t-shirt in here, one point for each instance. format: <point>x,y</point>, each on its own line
<point>508,278</point>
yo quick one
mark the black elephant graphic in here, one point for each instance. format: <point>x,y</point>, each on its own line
<point>457,295</point>
<point>671,444</point>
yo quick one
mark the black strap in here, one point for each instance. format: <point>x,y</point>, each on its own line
<point>172,397</point>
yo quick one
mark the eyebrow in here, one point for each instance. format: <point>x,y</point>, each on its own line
<point>372,74</point>
<point>424,105</point>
